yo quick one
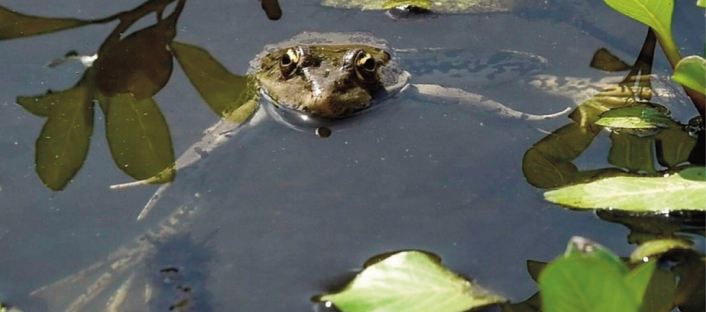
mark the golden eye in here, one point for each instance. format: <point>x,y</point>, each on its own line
<point>289,62</point>
<point>365,66</point>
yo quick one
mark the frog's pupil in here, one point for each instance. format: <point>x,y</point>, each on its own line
<point>286,59</point>
<point>369,64</point>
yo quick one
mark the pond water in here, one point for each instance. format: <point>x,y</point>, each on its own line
<point>282,215</point>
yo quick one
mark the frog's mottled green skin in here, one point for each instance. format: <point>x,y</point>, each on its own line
<point>327,81</point>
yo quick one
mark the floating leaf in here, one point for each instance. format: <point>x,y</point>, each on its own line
<point>41,105</point>
<point>419,4</point>
<point>138,137</point>
<point>226,94</point>
<point>657,247</point>
<point>634,117</point>
<point>447,6</point>
<point>607,61</point>
<point>589,277</point>
<point>16,25</point>
<point>139,64</point>
<point>62,145</point>
<point>685,190</point>
<point>410,281</point>
<point>691,73</point>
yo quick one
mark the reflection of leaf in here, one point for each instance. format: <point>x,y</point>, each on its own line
<point>62,145</point>
<point>272,9</point>
<point>674,145</point>
<point>15,25</point>
<point>42,105</point>
<point>410,281</point>
<point>139,64</point>
<point>588,277</point>
<point>632,152</point>
<point>683,191</point>
<point>634,117</point>
<point>691,73</point>
<point>604,60</point>
<point>224,92</point>
<point>139,137</point>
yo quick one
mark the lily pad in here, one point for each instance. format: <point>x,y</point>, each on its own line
<point>691,73</point>
<point>634,117</point>
<point>685,190</point>
<point>410,281</point>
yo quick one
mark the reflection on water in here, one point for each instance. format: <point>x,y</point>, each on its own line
<point>287,204</point>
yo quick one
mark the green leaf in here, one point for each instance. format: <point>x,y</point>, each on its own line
<point>701,3</point>
<point>586,278</point>
<point>654,13</point>
<point>62,145</point>
<point>16,25</point>
<point>225,93</point>
<point>657,247</point>
<point>691,73</point>
<point>139,137</point>
<point>41,105</point>
<point>634,117</point>
<point>683,191</point>
<point>410,281</point>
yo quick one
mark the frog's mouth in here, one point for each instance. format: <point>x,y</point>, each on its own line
<point>306,121</point>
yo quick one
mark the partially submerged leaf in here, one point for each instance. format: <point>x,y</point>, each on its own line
<point>685,190</point>
<point>605,60</point>
<point>62,145</point>
<point>657,247</point>
<point>16,25</point>
<point>410,281</point>
<point>634,117</point>
<point>691,73</point>
<point>419,4</point>
<point>224,92</point>
<point>139,137</point>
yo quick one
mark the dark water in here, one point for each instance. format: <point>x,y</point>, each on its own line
<point>282,215</point>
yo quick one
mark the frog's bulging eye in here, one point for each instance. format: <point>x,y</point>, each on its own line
<point>365,66</point>
<point>289,62</point>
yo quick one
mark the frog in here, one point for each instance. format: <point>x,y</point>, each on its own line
<point>310,82</point>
